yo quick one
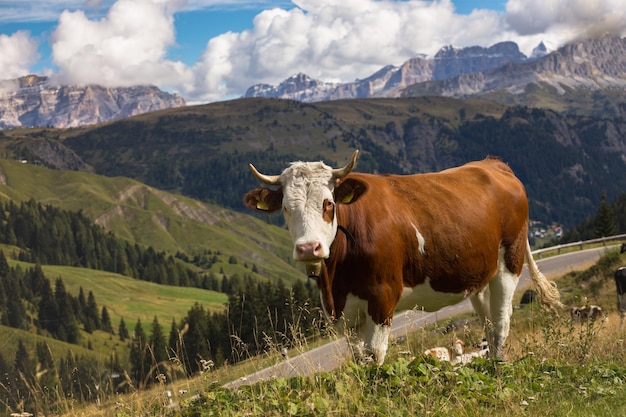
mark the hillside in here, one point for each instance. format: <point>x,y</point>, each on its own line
<point>566,162</point>
<point>165,221</point>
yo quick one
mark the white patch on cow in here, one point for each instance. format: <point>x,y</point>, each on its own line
<point>501,290</point>
<point>420,240</point>
<point>305,187</point>
<point>377,339</point>
<point>422,296</point>
<point>372,337</point>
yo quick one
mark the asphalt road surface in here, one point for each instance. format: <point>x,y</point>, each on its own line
<point>333,354</point>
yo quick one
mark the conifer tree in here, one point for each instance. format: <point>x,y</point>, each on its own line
<point>605,221</point>
<point>105,321</point>
<point>158,349</point>
<point>122,331</point>
<point>173,340</point>
<point>68,325</point>
<point>139,355</point>
<point>91,312</point>
<point>48,315</point>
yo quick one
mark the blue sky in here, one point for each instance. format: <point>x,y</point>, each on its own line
<point>209,50</point>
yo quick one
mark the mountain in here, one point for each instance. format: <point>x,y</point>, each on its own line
<point>35,101</point>
<point>584,77</point>
<point>567,162</point>
<point>592,65</point>
<point>388,81</point>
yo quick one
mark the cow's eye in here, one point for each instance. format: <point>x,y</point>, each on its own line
<point>328,210</point>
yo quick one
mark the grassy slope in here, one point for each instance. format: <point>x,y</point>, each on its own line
<point>155,218</point>
<point>123,297</point>
<point>554,367</point>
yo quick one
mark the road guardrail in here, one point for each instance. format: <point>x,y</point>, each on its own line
<point>579,244</point>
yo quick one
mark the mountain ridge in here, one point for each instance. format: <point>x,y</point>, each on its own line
<point>590,67</point>
<point>35,101</point>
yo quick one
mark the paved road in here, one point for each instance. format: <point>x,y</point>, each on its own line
<point>331,355</point>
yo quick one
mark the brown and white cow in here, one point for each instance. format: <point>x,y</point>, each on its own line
<point>424,240</point>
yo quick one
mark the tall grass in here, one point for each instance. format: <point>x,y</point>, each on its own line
<point>554,366</point>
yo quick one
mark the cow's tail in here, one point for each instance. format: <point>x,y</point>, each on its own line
<point>548,293</point>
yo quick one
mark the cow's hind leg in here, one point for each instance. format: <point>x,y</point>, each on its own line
<point>480,302</point>
<point>501,288</point>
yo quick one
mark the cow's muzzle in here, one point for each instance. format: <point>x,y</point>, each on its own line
<point>309,252</point>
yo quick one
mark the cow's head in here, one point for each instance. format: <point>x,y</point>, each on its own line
<point>308,194</point>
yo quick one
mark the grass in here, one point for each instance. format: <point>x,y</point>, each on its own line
<point>553,366</point>
<point>164,221</point>
<point>132,299</point>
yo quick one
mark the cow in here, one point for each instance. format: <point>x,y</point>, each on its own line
<point>408,241</point>
<point>586,313</point>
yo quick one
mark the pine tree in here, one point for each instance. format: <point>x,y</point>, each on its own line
<point>15,311</point>
<point>605,221</point>
<point>139,355</point>
<point>122,331</point>
<point>23,363</point>
<point>194,339</point>
<point>158,348</point>
<point>91,312</point>
<point>105,321</point>
<point>4,265</point>
<point>172,341</point>
<point>68,325</point>
<point>48,315</point>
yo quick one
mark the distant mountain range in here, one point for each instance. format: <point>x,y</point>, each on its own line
<point>35,101</point>
<point>591,65</point>
<point>588,76</point>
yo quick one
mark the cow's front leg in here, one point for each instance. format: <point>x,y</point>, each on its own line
<point>376,336</point>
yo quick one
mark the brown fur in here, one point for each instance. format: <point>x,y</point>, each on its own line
<point>464,214</point>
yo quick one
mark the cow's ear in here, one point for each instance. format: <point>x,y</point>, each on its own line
<point>264,199</point>
<point>349,190</point>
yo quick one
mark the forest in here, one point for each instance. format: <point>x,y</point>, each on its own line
<point>258,315</point>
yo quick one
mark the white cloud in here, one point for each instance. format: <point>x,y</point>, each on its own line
<point>337,41</point>
<point>126,47</point>
<point>18,53</point>
<point>332,40</point>
<point>581,17</point>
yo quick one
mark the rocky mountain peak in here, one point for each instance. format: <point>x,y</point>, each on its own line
<point>33,100</point>
<point>389,80</point>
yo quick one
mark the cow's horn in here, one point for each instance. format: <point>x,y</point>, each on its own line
<point>267,179</point>
<point>342,172</point>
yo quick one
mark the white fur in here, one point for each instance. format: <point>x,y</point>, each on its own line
<point>373,337</point>
<point>494,306</point>
<point>420,240</point>
<point>305,187</point>
<point>377,339</point>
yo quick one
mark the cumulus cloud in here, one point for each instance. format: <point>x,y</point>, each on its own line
<point>337,41</point>
<point>126,47</point>
<point>18,53</point>
<point>583,17</point>
<point>332,40</point>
